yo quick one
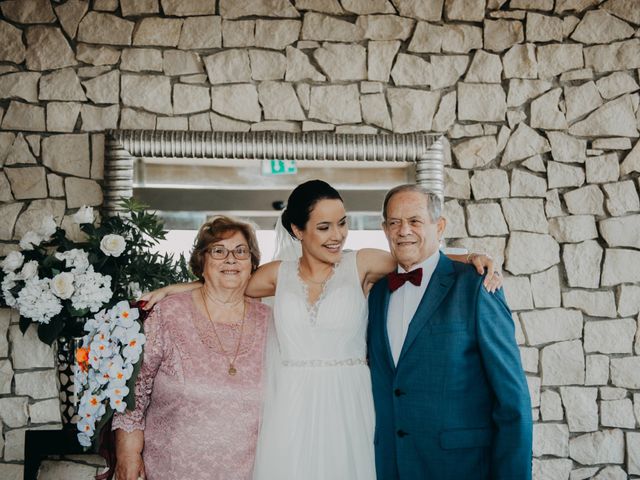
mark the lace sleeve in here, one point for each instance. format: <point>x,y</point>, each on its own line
<point>153,353</point>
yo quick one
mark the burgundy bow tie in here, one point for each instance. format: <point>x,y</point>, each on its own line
<point>396,280</point>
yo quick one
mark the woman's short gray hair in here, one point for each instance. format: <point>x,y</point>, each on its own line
<point>434,202</point>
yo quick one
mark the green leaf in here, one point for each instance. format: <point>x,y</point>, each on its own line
<point>24,323</point>
<point>48,332</point>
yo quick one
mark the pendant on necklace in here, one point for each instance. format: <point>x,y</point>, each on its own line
<point>232,370</point>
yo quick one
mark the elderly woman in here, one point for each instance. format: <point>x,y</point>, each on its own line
<point>199,391</point>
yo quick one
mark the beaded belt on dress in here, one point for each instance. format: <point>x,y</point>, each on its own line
<point>325,363</point>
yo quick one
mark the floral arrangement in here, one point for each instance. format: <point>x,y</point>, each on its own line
<point>73,288</point>
<point>106,361</point>
<point>57,283</point>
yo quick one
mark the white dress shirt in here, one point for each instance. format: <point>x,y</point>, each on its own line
<point>404,302</point>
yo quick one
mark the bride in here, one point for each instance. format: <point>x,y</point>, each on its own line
<point>318,418</point>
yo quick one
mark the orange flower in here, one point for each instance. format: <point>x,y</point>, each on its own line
<point>82,356</point>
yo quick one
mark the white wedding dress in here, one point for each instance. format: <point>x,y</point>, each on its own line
<point>318,417</point>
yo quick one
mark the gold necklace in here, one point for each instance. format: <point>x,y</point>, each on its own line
<point>232,369</point>
<point>220,302</point>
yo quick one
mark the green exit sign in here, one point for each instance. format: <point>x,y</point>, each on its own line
<point>279,167</point>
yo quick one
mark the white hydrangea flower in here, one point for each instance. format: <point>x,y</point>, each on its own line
<point>133,345</point>
<point>12,262</point>
<point>30,240</point>
<point>62,285</point>
<point>75,259</point>
<point>37,302</point>
<point>8,282</point>
<point>113,245</point>
<point>84,215</point>
<point>29,270</point>
<point>92,290</point>
<point>124,314</point>
<point>47,227</point>
<point>116,396</point>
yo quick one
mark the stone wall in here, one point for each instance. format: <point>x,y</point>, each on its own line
<point>538,97</point>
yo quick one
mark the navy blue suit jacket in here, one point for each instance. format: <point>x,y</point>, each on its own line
<point>457,405</point>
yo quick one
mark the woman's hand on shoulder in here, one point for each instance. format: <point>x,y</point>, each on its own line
<point>151,298</point>
<point>130,467</point>
<point>485,263</point>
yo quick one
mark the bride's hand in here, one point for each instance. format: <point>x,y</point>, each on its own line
<point>149,299</point>
<point>484,263</point>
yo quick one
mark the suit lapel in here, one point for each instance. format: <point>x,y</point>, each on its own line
<point>383,311</point>
<point>440,283</point>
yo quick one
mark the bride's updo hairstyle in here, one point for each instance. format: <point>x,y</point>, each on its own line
<point>302,200</point>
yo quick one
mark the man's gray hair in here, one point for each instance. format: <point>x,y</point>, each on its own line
<point>434,202</point>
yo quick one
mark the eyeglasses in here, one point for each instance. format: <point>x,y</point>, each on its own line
<point>218,252</point>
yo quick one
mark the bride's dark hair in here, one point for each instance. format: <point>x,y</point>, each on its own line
<point>302,200</point>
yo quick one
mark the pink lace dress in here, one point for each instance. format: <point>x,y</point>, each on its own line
<point>199,422</point>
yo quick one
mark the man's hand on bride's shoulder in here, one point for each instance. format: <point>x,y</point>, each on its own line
<point>485,264</point>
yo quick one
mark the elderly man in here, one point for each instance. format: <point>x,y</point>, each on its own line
<point>451,398</point>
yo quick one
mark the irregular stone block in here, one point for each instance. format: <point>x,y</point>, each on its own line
<point>446,70</point>
<point>374,110</point>
<point>464,10</point>
<point>633,452</point>
<point>35,11</point>
<point>531,252</point>
<point>279,101</point>
<point>67,154</point>
<point>6,376</point>
<point>456,184</point>
<point>524,143</point>
<point>11,47</point>
<point>597,370</point>
<point>316,26</point>
<point>185,8</point>
<point>385,27</point>
<point>48,49</point>
<point>545,288</point>
<point>427,38</point>
<point>380,58</point>
<point>543,28</point>
<point>563,363</point>
<point>552,469</point>
<point>97,119</point>
<point>22,116</point>
<point>326,6</point>
<point>623,55</point>
<point>138,7</point>
<point>493,183</point>
<point>606,446</point>
<point>553,325</point>
<point>277,34</point>
<point>23,85</point>
<point>70,14</point>
<point>223,124</point>
<point>625,372</point>
<point>618,83</point>
<point>485,68</point>
<point>624,9</point>
<point>104,28</point>
<point>364,7</point>
<point>411,70</point>
<point>97,55</point>
<point>47,411</point>
<point>628,300</point>
<point>481,102</point>
<point>342,62</point>
<point>37,385</point>
<point>19,152</point>
<point>556,58</point>
<point>525,184</point>
<point>551,408</point>
<point>581,407</point>
<point>190,99</point>
<point>259,8</point>
<point>545,112</point>
<point>51,470</point>
<point>567,149</point>
<point>520,62</point>
<point>237,101</point>
<point>620,266</point>
<point>177,62</point>
<point>550,439</point>
<point>617,413</point>
<point>5,192</point>
<point>560,175</point>
<point>622,231</point>
<point>56,185</point>
<point>587,200</point>
<point>150,92</point>
<point>267,65</point>
<point>27,182</point>
<point>201,33</point>
<point>104,89</point>
<point>493,246</point>
<point>454,214</point>
<point>603,169</point>
<point>476,152</point>
<point>595,304</point>
<point>532,4</point>
<point>299,67</point>
<point>486,219</point>
<point>411,110</point>
<point>517,290</point>
<point>520,91</point>
<point>141,59</point>
<point>534,390</point>
<point>335,104</point>
<point>239,33</point>
<point>582,264</point>
<point>609,119</point>
<point>9,214</point>
<point>525,215</point>
<point>430,11</point>
<point>13,411</point>
<point>598,26</point>
<point>573,228</point>
<point>82,192</point>
<point>61,85</point>
<point>502,34</point>
<point>154,31</point>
